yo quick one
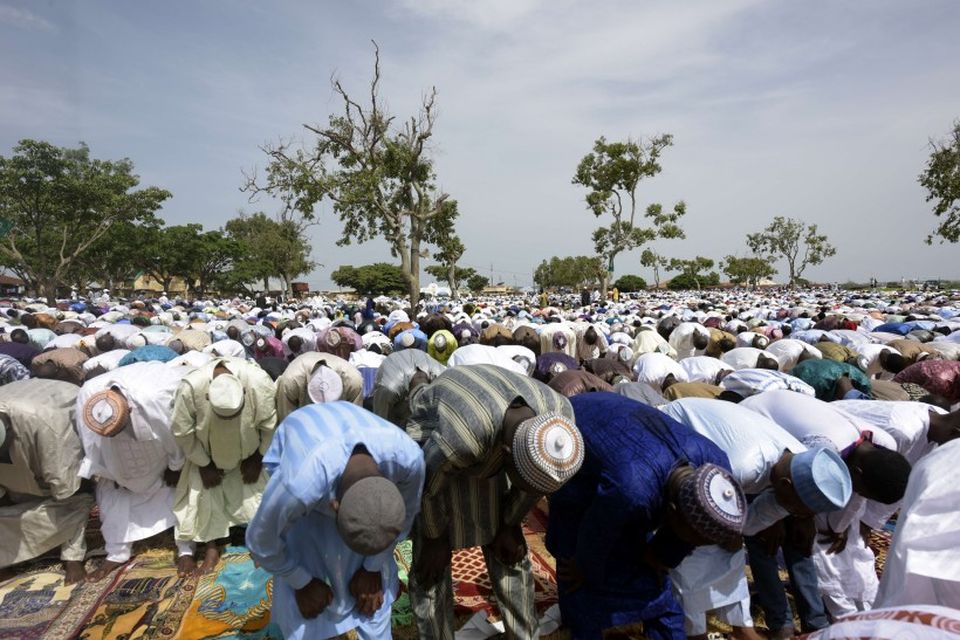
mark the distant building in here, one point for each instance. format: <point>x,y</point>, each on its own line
<point>11,286</point>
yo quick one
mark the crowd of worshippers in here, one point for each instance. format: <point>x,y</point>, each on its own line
<point>676,438</point>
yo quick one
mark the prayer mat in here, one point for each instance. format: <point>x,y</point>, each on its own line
<point>471,584</point>
<point>402,613</point>
<point>880,544</point>
<point>231,602</point>
<point>148,601</point>
<point>37,606</point>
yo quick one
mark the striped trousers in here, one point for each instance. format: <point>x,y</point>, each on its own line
<point>512,586</point>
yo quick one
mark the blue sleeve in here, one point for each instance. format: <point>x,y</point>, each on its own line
<point>278,509</point>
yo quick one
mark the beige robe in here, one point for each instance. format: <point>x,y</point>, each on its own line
<point>204,515</point>
<point>42,476</point>
<point>292,384</point>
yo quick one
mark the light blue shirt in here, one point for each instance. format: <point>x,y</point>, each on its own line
<point>294,533</point>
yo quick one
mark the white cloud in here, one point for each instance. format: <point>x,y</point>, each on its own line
<point>24,19</point>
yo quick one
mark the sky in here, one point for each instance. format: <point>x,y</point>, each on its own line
<point>821,111</point>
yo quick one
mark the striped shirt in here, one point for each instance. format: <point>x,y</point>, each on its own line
<point>458,420</point>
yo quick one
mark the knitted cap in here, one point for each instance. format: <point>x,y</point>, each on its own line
<point>325,385</point>
<point>225,395</point>
<point>106,412</point>
<point>371,515</point>
<point>713,503</point>
<point>821,479</point>
<point>547,451</point>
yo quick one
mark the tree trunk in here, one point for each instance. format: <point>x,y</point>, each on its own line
<point>452,281</point>
<point>166,284</point>
<point>604,283</point>
<point>266,284</point>
<point>48,287</point>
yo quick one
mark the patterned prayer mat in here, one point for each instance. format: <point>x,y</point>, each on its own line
<point>37,606</point>
<point>471,584</point>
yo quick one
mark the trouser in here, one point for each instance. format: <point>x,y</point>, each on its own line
<point>770,594</point>
<point>120,552</point>
<point>512,586</point>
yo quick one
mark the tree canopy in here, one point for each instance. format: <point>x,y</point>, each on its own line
<point>796,242</point>
<point>630,283</point>
<point>476,283</point>
<point>369,279</point>
<point>377,172</point>
<point>571,271</point>
<point>941,179</point>
<point>747,271</point>
<point>611,174</point>
<point>270,249</point>
<point>58,203</point>
<point>691,273</point>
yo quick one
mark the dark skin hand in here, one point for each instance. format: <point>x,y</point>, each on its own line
<point>509,545</point>
<point>366,587</point>
<point>837,540</point>
<point>211,476</point>
<point>170,477</point>
<point>433,561</point>
<point>251,467</point>
<point>569,574</point>
<point>313,598</point>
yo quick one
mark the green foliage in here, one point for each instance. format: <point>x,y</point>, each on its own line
<point>59,202</point>
<point>691,273</point>
<point>571,271</point>
<point>117,256</point>
<point>442,273</point>
<point>652,259</point>
<point>269,249</point>
<point>611,174</point>
<point>941,179</point>
<point>449,249</point>
<point>688,281</point>
<point>476,283</point>
<point>747,271</point>
<point>371,279</point>
<point>794,241</point>
<point>376,172</point>
<point>630,283</point>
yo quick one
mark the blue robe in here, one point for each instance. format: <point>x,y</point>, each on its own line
<point>294,533</point>
<point>610,512</point>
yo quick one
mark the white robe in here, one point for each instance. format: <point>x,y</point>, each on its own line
<point>923,566</point>
<point>134,501</point>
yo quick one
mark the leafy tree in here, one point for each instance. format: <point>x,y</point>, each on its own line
<point>378,175</point>
<point>652,259</point>
<point>377,278</point>
<point>442,273</point>
<point>570,271</point>
<point>215,254</point>
<point>747,271</point>
<point>270,248</point>
<point>611,174</point>
<point>58,202</point>
<point>449,249</point>
<point>941,179</point>
<point>117,256</point>
<point>794,241</point>
<point>630,283</point>
<point>691,271</point>
<point>476,283</point>
<point>170,253</point>
<point>685,281</point>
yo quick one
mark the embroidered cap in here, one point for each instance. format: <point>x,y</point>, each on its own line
<point>547,451</point>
